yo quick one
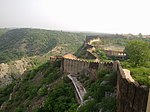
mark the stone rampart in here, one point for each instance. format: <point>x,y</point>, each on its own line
<point>72,66</point>
<point>131,97</point>
<point>109,53</point>
<point>106,65</point>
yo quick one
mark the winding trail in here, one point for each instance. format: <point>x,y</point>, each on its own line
<point>78,86</point>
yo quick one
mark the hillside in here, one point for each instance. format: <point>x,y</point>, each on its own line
<point>17,43</point>
<point>42,89</point>
<point>46,89</point>
<point>14,70</point>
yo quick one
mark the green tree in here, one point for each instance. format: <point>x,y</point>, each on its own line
<point>138,52</point>
<point>140,35</point>
<point>101,54</point>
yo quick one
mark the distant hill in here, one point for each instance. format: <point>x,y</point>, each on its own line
<point>16,43</point>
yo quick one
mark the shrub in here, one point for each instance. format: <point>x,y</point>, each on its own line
<point>42,91</point>
<point>102,72</point>
<point>19,109</point>
<point>141,75</point>
<point>108,104</point>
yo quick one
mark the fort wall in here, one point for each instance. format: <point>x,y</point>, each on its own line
<point>71,66</point>
<point>131,97</point>
<point>109,53</point>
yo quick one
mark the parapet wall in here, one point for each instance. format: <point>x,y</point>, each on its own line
<point>131,97</point>
<point>74,66</point>
<point>77,66</point>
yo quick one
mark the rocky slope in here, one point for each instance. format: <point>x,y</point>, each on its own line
<point>13,70</point>
<point>42,89</point>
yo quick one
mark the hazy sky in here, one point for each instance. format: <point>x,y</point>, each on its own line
<point>105,16</point>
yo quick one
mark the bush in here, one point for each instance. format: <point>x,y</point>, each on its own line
<point>125,64</point>
<point>97,91</point>
<point>108,104</point>
<point>102,72</point>
<point>101,54</point>
<point>61,99</point>
<point>42,91</point>
<point>141,75</point>
<point>5,92</point>
<point>32,91</point>
<point>19,109</point>
<point>90,106</point>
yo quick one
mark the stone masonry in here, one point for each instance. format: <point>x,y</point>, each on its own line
<point>131,97</point>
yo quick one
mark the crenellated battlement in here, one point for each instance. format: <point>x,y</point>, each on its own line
<point>131,96</point>
<point>76,66</point>
<point>128,90</point>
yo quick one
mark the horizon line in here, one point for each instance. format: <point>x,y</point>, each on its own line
<point>73,31</point>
